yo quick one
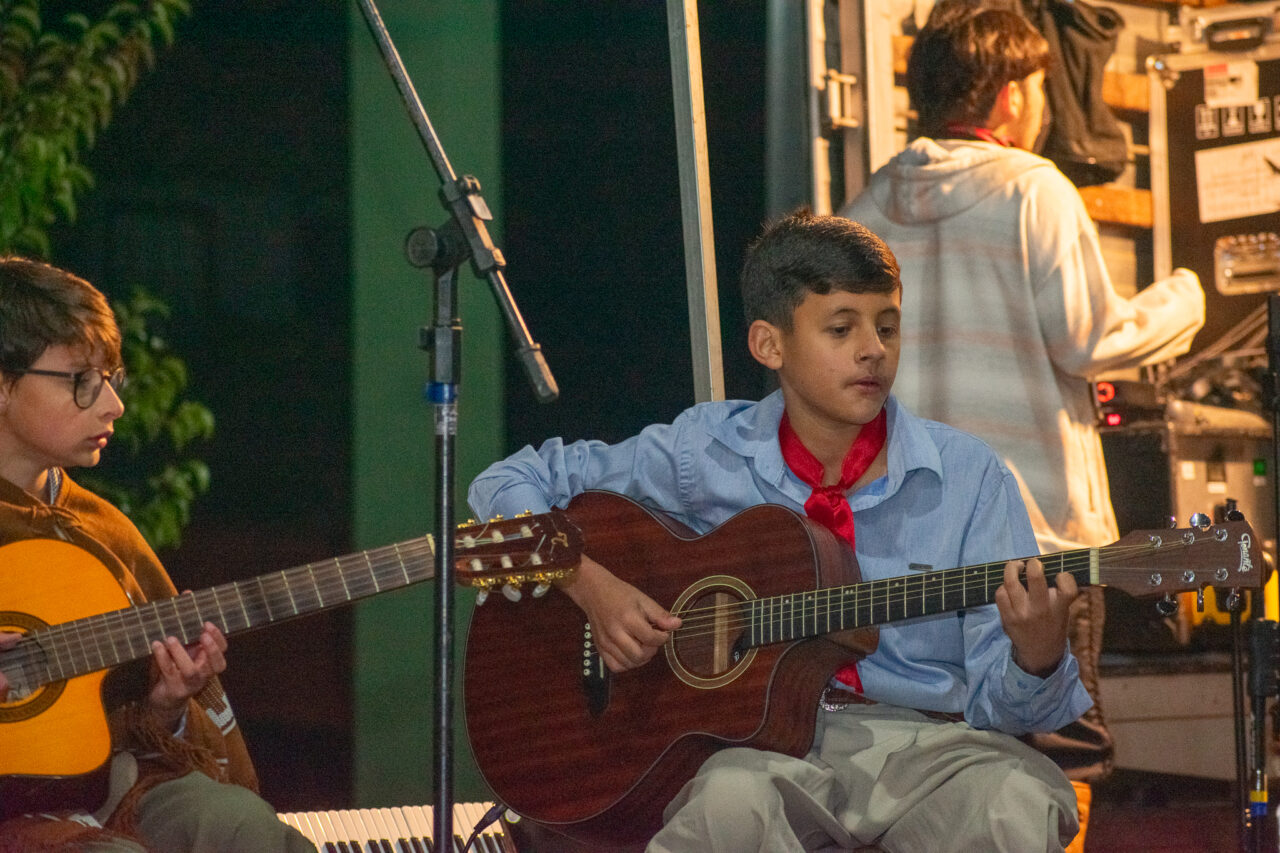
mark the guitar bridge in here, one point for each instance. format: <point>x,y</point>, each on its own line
<point>595,675</point>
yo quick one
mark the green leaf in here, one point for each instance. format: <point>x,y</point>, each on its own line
<point>25,14</point>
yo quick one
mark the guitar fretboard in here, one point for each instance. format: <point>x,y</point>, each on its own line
<point>783,618</point>
<point>109,639</point>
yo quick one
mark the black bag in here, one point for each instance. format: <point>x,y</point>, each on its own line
<point>1084,139</point>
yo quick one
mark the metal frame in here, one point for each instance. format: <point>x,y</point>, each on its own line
<point>695,200</point>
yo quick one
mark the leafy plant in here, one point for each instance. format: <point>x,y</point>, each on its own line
<point>59,87</point>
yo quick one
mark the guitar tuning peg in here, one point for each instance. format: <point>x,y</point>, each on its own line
<point>1173,522</point>
<point>1233,600</point>
<point>1167,606</point>
<point>467,523</point>
<point>1200,520</point>
<point>1200,600</point>
<point>481,597</point>
<point>1232,512</point>
<point>541,589</point>
<point>511,593</point>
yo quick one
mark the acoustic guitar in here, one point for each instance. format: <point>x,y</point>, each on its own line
<point>78,625</point>
<point>596,756</point>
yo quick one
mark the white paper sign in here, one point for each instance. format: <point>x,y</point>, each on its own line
<point>1235,181</point>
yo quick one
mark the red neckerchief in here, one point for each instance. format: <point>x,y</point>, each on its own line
<point>957,130</point>
<point>829,505</point>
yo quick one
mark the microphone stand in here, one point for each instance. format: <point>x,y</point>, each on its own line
<point>463,236</point>
<point>1264,680</point>
<point>1263,685</point>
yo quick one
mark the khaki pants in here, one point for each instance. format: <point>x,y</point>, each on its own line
<point>876,775</point>
<point>195,814</point>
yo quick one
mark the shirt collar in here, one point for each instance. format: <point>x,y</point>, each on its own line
<point>752,432</point>
<point>910,449</point>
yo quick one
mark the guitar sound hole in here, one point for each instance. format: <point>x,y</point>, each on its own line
<point>709,643</point>
<point>31,691</point>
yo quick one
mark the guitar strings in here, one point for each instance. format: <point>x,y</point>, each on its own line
<point>884,593</point>
<point>272,597</point>
<point>391,562</point>
<point>380,562</point>
<point>871,598</point>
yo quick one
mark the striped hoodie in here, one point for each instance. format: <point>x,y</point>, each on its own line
<point>1008,311</point>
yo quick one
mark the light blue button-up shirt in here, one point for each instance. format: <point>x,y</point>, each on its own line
<point>946,501</point>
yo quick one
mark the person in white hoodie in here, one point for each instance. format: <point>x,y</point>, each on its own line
<point>1008,309</point>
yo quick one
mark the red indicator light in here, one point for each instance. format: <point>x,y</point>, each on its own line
<point>1106,392</point>
<point>1113,419</point>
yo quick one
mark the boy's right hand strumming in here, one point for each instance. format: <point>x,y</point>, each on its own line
<point>629,626</point>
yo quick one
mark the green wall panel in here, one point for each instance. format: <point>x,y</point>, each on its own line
<point>450,49</point>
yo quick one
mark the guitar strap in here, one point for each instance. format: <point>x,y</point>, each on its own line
<point>829,505</point>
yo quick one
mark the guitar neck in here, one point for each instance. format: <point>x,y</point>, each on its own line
<point>863,605</point>
<point>110,639</point>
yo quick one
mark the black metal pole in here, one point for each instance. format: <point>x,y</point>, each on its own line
<point>442,392</point>
<point>1245,823</point>
<point>1262,688</point>
<point>444,249</point>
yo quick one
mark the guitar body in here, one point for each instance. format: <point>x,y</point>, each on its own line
<point>538,730</point>
<point>59,730</point>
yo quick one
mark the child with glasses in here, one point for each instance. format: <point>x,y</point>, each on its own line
<point>180,777</point>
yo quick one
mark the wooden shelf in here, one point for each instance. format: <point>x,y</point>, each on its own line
<point>1126,91</point>
<point>1116,205</point>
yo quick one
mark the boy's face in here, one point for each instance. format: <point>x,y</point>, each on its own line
<point>40,424</point>
<point>838,361</point>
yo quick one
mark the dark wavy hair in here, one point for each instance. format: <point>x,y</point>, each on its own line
<point>965,54</point>
<point>804,253</point>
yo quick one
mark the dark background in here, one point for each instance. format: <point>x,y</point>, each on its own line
<point>223,185</point>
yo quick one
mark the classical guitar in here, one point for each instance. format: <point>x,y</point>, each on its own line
<point>77,625</point>
<point>596,756</point>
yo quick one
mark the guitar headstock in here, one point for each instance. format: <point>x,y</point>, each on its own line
<point>1161,562</point>
<point>507,553</point>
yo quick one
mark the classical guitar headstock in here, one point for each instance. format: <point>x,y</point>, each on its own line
<point>507,553</point>
<point>1146,563</point>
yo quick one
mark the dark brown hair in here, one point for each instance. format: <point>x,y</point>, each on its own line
<point>43,306</point>
<point>804,253</point>
<point>962,58</point>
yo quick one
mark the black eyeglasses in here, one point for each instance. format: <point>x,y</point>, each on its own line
<point>88,382</point>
